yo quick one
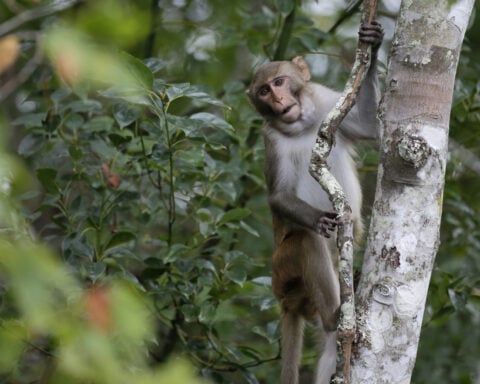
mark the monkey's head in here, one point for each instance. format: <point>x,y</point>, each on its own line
<point>276,88</point>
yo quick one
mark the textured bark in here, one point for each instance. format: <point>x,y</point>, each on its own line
<point>404,232</point>
<point>319,170</point>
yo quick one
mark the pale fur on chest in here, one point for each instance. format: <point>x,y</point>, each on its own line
<point>293,145</point>
<point>295,153</point>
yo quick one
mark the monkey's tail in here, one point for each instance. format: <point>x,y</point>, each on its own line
<point>292,341</point>
<point>328,358</point>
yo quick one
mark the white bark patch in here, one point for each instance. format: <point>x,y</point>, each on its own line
<point>407,245</point>
<point>348,308</point>
<point>383,320</point>
<point>409,298</point>
<point>460,13</point>
<point>435,139</point>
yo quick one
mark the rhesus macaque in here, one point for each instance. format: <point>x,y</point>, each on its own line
<point>304,276</point>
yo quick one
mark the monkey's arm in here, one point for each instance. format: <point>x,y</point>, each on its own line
<point>290,207</point>
<point>360,123</point>
<point>283,181</point>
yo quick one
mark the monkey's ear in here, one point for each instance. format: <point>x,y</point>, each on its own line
<point>303,67</point>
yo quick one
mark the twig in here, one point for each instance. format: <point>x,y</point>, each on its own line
<point>150,42</point>
<point>13,6</point>
<point>285,34</point>
<point>319,170</point>
<point>11,85</point>
<point>352,8</point>
<point>35,13</point>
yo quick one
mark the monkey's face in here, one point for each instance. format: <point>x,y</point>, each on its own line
<point>280,97</point>
<point>277,88</point>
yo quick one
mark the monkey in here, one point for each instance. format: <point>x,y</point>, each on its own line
<point>304,272</point>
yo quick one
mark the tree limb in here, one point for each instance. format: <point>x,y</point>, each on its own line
<point>319,170</point>
<point>35,13</point>
<point>346,14</point>
<point>12,84</point>
<point>285,34</point>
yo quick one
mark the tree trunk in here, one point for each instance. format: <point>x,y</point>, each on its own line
<point>404,232</point>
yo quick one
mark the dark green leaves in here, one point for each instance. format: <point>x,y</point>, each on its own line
<point>47,177</point>
<point>119,239</point>
<point>233,215</point>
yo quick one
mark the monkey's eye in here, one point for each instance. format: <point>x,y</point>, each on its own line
<point>279,82</point>
<point>263,91</point>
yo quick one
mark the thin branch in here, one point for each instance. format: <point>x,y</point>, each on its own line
<point>319,170</point>
<point>346,14</point>
<point>13,6</point>
<point>285,34</point>
<point>150,42</point>
<point>35,13</point>
<point>11,85</point>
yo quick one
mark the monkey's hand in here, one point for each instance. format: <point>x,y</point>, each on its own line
<point>327,222</point>
<point>372,34</point>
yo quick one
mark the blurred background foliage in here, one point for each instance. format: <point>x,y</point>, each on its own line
<point>135,235</point>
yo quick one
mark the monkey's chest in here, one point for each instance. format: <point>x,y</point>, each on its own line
<point>306,187</point>
<point>310,191</point>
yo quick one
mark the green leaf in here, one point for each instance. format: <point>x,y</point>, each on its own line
<point>458,299</point>
<point>102,149</point>
<point>285,6</point>
<point>237,274</point>
<point>74,121</point>
<point>251,378</point>
<point>175,91</point>
<point>210,120</point>
<point>154,64</point>
<point>133,96</point>
<point>125,114</point>
<point>236,257</point>
<point>75,152</point>
<point>84,106</point>
<point>94,270</point>
<point>138,70</point>
<point>173,252</point>
<point>13,335</point>
<point>249,229</point>
<point>267,303</point>
<point>190,312</point>
<point>263,280</point>
<point>47,177</point>
<point>235,214</point>
<point>205,265</point>
<point>207,313</point>
<point>59,95</point>
<point>204,214</point>
<point>30,120</point>
<point>270,332</point>
<point>120,238</point>
<point>234,352</point>
<point>30,145</point>
<point>99,124</point>
<point>203,97</point>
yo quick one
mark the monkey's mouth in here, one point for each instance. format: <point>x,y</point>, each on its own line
<point>290,114</point>
<point>288,109</point>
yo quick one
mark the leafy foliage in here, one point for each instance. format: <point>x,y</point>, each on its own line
<point>133,191</point>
